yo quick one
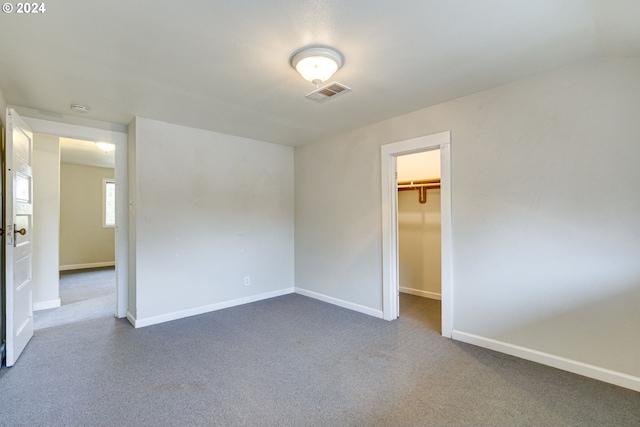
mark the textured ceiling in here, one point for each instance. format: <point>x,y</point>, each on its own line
<point>224,66</point>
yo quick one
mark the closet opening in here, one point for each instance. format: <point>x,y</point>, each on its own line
<point>391,155</point>
<point>419,235</point>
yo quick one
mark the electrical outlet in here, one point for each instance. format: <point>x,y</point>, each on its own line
<point>247,280</point>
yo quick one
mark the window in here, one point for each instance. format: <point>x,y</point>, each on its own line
<point>108,202</point>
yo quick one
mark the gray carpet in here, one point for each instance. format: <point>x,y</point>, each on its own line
<point>292,361</point>
<point>84,294</point>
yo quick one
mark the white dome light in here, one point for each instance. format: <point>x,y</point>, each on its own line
<point>317,63</point>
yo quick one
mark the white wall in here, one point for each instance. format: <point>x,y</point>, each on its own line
<point>419,240</point>
<point>210,209</point>
<point>545,212</point>
<point>84,242</point>
<point>46,221</point>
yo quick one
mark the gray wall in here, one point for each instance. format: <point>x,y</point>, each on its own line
<point>209,209</point>
<point>545,212</point>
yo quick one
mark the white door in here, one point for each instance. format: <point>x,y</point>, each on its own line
<point>18,212</point>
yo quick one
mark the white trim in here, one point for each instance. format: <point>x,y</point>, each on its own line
<point>87,265</point>
<point>584,369</point>
<point>46,305</point>
<point>390,281</point>
<point>153,320</point>
<point>340,303</point>
<point>446,238</point>
<point>131,318</point>
<point>421,293</point>
<point>390,274</point>
<point>121,175</point>
<point>68,130</point>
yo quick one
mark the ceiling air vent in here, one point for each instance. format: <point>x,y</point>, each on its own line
<point>331,90</point>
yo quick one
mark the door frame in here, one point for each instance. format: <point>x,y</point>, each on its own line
<point>66,130</point>
<point>390,257</point>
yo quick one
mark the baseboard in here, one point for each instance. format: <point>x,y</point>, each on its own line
<point>153,320</point>
<point>584,369</point>
<point>131,318</point>
<point>418,292</point>
<point>87,265</point>
<point>340,303</point>
<point>45,305</point>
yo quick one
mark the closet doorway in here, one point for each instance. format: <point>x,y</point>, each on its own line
<point>419,235</point>
<point>390,226</point>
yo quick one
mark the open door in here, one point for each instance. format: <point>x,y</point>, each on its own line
<point>18,220</point>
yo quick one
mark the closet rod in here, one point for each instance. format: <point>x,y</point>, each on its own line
<point>410,187</point>
<point>428,183</point>
<point>421,185</point>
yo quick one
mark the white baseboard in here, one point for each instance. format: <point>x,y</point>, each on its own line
<point>341,303</point>
<point>153,320</point>
<point>87,265</point>
<point>595,372</point>
<point>131,318</point>
<point>45,305</point>
<point>418,292</point>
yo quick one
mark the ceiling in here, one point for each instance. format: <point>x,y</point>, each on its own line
<point>79,152</point>
<point>224,65</point>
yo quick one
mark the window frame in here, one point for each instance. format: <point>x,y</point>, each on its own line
<point>105,182</point>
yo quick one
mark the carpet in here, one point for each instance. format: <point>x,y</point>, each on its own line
<point>292,361</point>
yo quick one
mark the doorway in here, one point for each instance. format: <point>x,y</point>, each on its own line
<point>119,139</point>
<point>390,264</point>
<point>75,230</point>
<point>419,229</point>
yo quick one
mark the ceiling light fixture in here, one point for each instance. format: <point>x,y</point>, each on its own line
<point>316,63</point>
<point>105,146</point>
